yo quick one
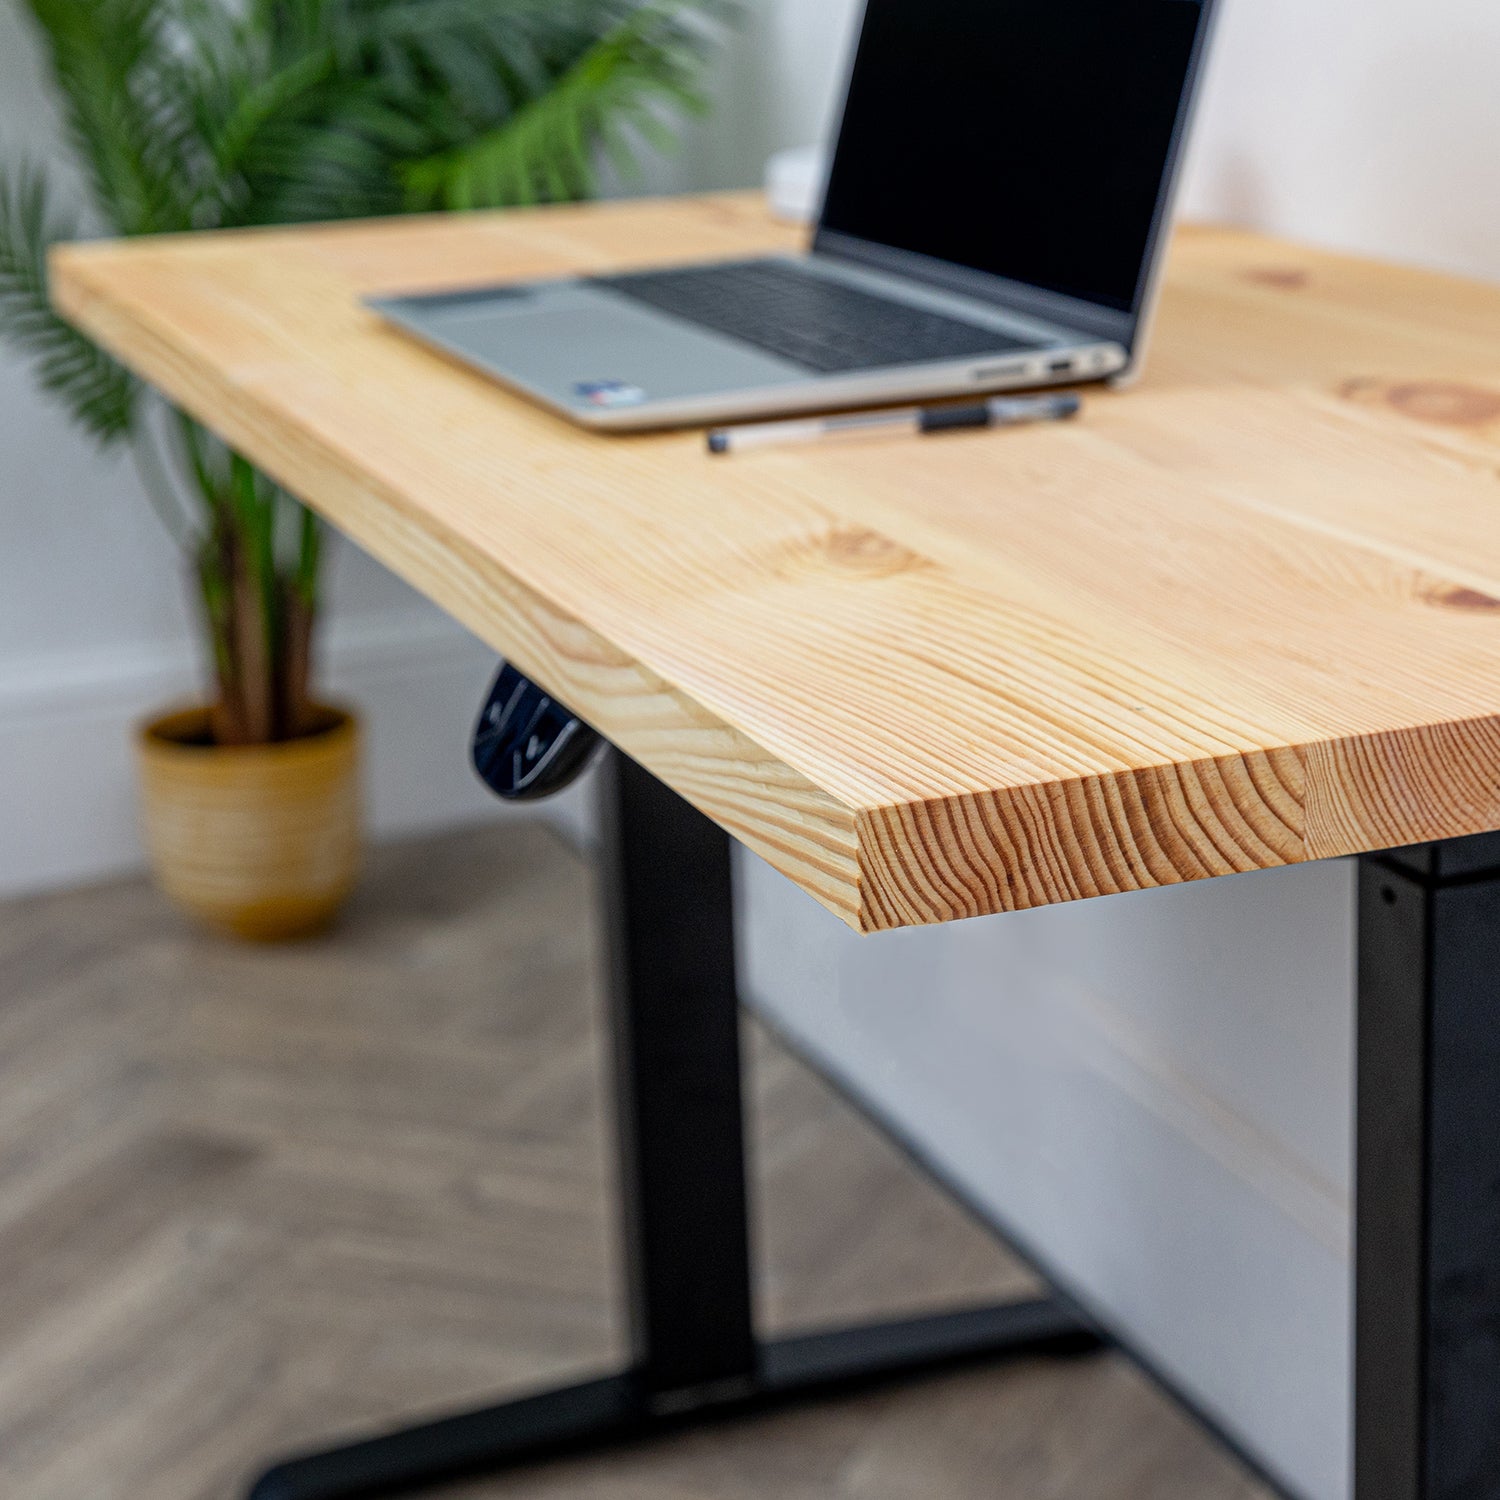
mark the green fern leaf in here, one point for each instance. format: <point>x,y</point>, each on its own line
<point>546,152</point>
<point>99,393</point>
<point>106,55</point>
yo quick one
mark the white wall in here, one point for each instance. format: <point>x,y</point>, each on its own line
<point>1369,125</point>
<point>1151,1092</point>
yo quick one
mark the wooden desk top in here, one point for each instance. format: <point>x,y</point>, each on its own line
<point>1245,615</point>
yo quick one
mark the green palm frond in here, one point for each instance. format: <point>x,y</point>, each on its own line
<point>403,85</point>
<point>106,56</point>
<point>215,113</point>
<point>212,114</point>
<point>546,152</point>
<point>99,393</point>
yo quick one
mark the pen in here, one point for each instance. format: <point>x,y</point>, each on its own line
<point>1001,411</point>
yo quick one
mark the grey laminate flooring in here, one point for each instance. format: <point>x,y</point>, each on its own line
<point>252,1198</point>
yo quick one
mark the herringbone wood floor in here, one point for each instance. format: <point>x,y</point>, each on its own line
<point>250,1199</point>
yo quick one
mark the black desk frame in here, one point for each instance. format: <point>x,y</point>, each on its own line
<point>1427,1396</point>
<point>675,1016</point>
<point>1427,1304</point>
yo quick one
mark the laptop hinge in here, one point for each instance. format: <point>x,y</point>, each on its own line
<point>997,291</point>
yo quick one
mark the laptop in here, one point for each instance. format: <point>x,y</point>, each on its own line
<point>995,217</point>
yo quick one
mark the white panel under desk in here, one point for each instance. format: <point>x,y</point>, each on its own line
<point>1153,1092</point>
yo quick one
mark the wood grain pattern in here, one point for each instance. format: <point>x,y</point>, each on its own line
<point>251,1200</point>
<point>1244,615</point>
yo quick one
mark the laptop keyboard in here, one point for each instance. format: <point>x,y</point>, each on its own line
<point>823,325</point>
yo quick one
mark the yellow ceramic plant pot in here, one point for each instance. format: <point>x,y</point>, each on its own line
<point>261,841</point>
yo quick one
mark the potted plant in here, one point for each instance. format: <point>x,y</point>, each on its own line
<point>209,114</point>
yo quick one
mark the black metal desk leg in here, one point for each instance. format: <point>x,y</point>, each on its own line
<point>669,905</point>
<point>1427,1298</point>
<point>683,1188</point>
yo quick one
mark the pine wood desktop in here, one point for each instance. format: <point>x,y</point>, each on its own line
<point>1242,616</point>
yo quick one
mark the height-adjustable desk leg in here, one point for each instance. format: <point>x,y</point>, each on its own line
<point>1427,1299</point>
<point>696,1356</point>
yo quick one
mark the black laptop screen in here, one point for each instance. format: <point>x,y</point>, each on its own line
<point>1025,138</point>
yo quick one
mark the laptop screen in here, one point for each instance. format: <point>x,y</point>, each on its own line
<point>1029,139</point>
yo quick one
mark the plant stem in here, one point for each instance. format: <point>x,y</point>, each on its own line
<point>216,585</point>
<point>210,487</point>
<point>160,490</point>
<point>257,601</point>
<point>309,557</point>
<point>299,616</point>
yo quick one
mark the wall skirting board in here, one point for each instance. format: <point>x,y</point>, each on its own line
<point>68,809</point>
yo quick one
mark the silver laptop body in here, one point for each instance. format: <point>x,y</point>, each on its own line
<point>967,243</point>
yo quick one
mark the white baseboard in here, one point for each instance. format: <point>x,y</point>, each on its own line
<point>67,781</point>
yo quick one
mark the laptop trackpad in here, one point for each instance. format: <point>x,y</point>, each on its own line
<point>584,347</point>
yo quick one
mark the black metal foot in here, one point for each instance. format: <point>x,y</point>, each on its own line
<point>623,1409</point>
